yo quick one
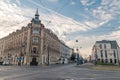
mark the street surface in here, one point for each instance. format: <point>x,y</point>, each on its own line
<point>56,72</point>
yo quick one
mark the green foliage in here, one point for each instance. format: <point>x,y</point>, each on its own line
<point>100,63</point>
<point>73,56</point>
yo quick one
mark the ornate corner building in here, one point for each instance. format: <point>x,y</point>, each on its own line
<point>33,43</point>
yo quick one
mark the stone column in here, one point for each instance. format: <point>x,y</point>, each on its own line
<point>41,45</point>
<point>28,47</point>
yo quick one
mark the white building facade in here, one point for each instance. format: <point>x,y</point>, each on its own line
<point>106,51</point>
<point>65,53</point>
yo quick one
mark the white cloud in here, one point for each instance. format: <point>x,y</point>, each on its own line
<point>53,0</point>
<point>101,14</point>
<point>61,24</point>
<point>87,2</point>
<point>87,42</point>
<point>84,44</point>
<point>84,2</point>
<point>11,17</point>
<point>105,2</point>
<point>72,2</point>
<point>106,11</point>
<point>18,2</point>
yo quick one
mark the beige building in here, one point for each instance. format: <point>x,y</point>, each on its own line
<point>31,44</point>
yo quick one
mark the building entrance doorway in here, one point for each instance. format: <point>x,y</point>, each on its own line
<point>34,62</point>
<point>111,61</point>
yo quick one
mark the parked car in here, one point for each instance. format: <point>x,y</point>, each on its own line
<point>1,62</point>
<point>6,62</point>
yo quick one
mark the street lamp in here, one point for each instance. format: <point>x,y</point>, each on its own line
<point>77,55</point>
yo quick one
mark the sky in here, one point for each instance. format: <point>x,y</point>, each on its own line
<point>87,21</point>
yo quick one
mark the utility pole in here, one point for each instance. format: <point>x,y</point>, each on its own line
<point>77,54</point>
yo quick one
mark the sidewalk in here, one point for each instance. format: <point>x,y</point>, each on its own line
<point>5,68</point>
<point>99,67</point>
<point>105,67</point>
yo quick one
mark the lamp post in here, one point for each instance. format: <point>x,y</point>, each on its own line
<point>78,57</point>
<point>77,54</point>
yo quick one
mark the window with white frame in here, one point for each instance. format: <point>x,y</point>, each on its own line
<point>101,53</point>
<point>114,53</point>
<point>106,53</point>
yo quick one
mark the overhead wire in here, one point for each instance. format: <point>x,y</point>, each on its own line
<point>51,14</point>
<point>60,9</point>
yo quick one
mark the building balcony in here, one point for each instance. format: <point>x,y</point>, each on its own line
<point>34,55</point>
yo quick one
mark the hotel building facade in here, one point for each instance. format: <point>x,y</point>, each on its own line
<point>33,42</point>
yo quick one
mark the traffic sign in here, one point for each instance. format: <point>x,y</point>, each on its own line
<point>19,58</point>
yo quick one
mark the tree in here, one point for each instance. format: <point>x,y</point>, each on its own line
<point>73,56</point>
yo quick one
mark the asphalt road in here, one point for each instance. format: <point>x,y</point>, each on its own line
<point>56,72</point>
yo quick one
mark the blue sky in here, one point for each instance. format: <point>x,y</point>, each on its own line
<point>82,20</point>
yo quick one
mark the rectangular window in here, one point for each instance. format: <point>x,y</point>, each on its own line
<point>105,46</point>
<point>100,46</point>
<point>106,53</point>
<point>34,50</point>
<point>101,53</point>
<point>114,53</point>
<point>35,39</point>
